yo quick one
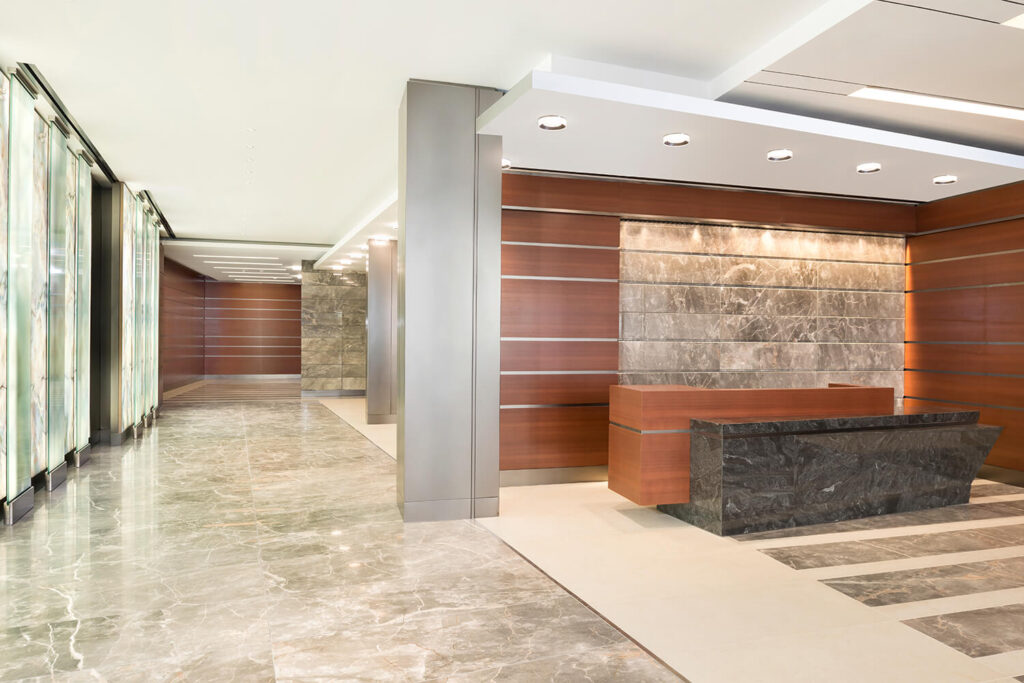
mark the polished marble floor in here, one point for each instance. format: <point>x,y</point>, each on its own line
<point>933,596</point>
<point>259,540</point>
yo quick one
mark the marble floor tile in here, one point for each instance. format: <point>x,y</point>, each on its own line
<point>986,490</point>
<point>932,582</point>
<point>260,540</point>
<point>977,633</point>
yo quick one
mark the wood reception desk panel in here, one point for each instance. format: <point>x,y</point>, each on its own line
<point>649,431</point>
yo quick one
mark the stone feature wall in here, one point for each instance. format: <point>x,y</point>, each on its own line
<point>333,331</point>
<point>721,306</point>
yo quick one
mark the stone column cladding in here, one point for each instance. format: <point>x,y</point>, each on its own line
<point>724,306</point>
<point>333,331</point>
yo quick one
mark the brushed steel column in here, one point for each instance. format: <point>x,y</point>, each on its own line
<point>448,303</point>
<point>382,332</point>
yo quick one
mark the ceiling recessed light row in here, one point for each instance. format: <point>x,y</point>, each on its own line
<point>554,122</point>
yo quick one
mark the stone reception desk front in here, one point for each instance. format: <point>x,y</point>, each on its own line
<point>734,461</point>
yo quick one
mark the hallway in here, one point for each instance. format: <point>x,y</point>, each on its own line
<point>260,541</point>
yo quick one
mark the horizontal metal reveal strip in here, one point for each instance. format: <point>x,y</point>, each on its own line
<point>553,405</point>
<point>559,279</point>
<point>561,339</point>
<point>963,403</point>
<point>677,283</point>
<point>558,245</point>
<point>650,431</point>
<point>770,258</point>
<point>959,372</point>
<point>559,372</point>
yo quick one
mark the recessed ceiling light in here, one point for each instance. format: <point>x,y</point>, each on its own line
<point>505,163</point>
<point>1016,22</point>
<point>933,102</point>
<point>676,140</point>
<point>298,276</point>
<point>356,254</point>
<point>295,267</point>
<point>240,263</point>
<point>336,267</point>
<point>364,247</point>
<point>345,261</point>
<point>944,179</point>
<point>381,238</point>
<point>780,155</point>
<point>870,167</point>
<point>552,122</point>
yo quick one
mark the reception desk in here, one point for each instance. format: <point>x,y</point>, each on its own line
<point>734,461</point>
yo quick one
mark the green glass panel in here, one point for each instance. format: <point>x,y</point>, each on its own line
<point>127,305</point>
<point>5,117</point>
<point>60,316</point>
<point>26,293</point>
<point>140,302</point>
<point>154,315</point>
<point>39,292</point>
<point>83,302</point>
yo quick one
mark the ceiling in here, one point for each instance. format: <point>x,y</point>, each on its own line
<point>950,48</point>
<point>250,262</point>
<point>616,130</point>
<point>264,120</point>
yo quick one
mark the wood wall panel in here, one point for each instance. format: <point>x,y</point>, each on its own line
<point>558,308</point>
<point>1004,359</point>
<point>574,436</point>
<point>996,204</point>
<point>246,328</point>
<point>555,389</point>
<point>251,365</point>
<point>1003,236</point>
<point>650,200</point>
<point>181,325</point>
<point>969,272</point>
<point>988,311</point>
<point>251,290</point>
<point>517,259</point>
<point>558,228</point>
<point>559,355</point>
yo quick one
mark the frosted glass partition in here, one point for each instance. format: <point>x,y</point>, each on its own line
<point>140,312</point>
<point>83,303</point>
<point>26,294</point>
<point>60,314</point>
<point>127,308</point>
<point>154,315</point>
<point>5,117</point>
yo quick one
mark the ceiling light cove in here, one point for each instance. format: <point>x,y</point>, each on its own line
<point>1016,22</point>
<point>933,102</point>
<point>944,179</point>
<point>780,155</point>
<point>675,140</point>
<point>869,167</point>
<point>552,122</point>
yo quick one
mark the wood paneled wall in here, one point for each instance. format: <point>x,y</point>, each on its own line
<point>559,329</point>
<point>252,328</point>
<point>181,325</point>
<point>965,312</point>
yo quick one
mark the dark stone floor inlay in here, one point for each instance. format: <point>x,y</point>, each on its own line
<point>977,633</point>
<point>890,588</point>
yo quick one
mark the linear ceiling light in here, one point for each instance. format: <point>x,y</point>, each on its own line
<point>933,102</point>
<point>1016,22</point>
<point>240,263</point>
<point>261,258</point>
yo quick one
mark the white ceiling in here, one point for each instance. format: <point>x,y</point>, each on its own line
<point>268,121</point>
<point>949,48</point>
<point>230,261</point>
<point>616,130</point>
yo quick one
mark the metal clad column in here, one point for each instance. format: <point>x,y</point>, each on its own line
<point>382,332</point>
<point>448,300</point>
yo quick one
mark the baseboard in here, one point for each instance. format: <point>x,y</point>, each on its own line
<point>327,393</point>
<point>553,475</point>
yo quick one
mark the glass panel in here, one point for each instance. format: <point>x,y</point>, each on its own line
<point>60,332</point>
<point>70,298</point>
<point>154,315</point>
<point>83,300</point>
<point>140,301</point>
<point>127,305</point>
<point>38,291</point>
<point>5,117</point>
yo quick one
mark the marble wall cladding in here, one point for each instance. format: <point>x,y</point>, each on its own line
<point>723,306</point>
<point>333,330</point>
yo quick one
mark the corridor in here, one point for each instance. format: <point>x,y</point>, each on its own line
<point>260,540</point>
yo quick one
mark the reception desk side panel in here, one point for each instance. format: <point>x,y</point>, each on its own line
<point>649,469</point>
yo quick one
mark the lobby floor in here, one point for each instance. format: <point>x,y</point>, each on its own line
<point>932,597</point>
<point>259,540</point>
